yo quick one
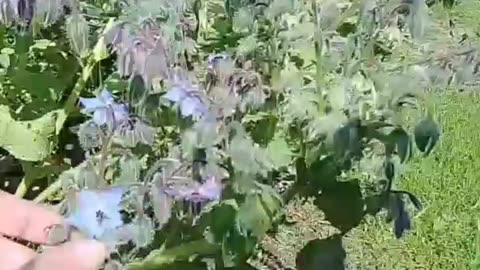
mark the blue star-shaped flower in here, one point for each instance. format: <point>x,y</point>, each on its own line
<point>104,109</point>
<point>187,97</point>
<point>215,59</point>
<point>211,190</point>
<point>97,212</point>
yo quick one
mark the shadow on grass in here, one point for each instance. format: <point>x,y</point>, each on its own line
<point>322,254</point>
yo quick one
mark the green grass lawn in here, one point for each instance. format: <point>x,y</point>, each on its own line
<point>448,182</point>
<point>446,234</point>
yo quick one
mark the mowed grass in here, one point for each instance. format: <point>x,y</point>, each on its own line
<point>448,182</point>
<point>446,235</point>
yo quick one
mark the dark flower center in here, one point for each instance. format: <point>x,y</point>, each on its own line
<point>101,216</point>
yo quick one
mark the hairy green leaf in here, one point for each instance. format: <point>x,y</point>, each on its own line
<point>29,140</point>
<point>279,152</point>
<point>78,34</point>
<point>322,254</point>
<point>252,216</point>
<point>130,167</point>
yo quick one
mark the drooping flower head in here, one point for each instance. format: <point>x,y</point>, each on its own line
<point>24,11</point>
<point>210,190</point>
<point>215,60</point>
<point>142,50</point>
<point>186,96</point>
<point>105,110</point>
<point>97,212</point>
<point>135,131</point>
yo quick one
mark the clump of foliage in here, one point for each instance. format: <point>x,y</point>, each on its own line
<point>186,114</point>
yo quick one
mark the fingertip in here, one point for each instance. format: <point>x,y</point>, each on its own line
<point>24,219</point>
<point>91,248</point>
<point>13,255</point>
<point>76,255</point>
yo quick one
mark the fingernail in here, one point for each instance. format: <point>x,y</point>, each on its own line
<point>75,255</point>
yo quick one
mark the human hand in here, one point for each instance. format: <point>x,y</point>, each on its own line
<point>24,220</point>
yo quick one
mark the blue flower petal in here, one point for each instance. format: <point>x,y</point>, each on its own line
<point>213,60</point>
<point>85,220</point>
<point>211,189</point>
<point>201,110</point>
<point>120,112</point>
<point>85,224</point>
<point>176,94</point>
<point>91,104</point>
<point>106,97</point>
<point>101,117</point>
<point>97,212</point>
<point>112,196</point>
<point>88,199</point>
<point>193,106</point>
<point>113,221</point>
<point>187,97</point>
<point>104,109</point>
<point>188,106</point>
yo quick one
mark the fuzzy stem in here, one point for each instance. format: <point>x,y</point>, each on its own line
<point>104,155</point>
<point>318,41</point>
<point>22,188</point>
<point>52,188</point>
<point>70,106</point>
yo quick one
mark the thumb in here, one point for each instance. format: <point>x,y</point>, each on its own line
<point>76,255</point>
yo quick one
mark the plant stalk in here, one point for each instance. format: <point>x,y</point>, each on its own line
<point>158,258</point>
<point>51,189</point>
<point>22,188</point>
<point>319,45</point>
<point>104,155</point>
<point>69,107</point>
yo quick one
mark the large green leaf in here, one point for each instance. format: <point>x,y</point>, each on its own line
<point>30,140</point>
<point>159,258</point>
<point>38,84</point>
<point>247,45</point>
<point>248,157</point>
<point>258,212</point>
<point>253,217</point>
<point>44,90</point>
<point>322,254</point>
<point>222,220</point>
<point>278,152</point>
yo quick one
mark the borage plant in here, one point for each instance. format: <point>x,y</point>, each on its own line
<point>192,113</point>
